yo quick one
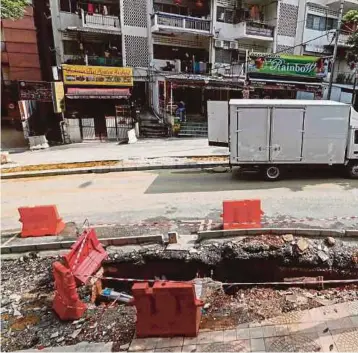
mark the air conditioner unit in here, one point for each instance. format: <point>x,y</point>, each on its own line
<point>234,45</point>
<point>219,43</point>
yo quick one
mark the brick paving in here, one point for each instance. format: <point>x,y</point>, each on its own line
<point>331,328</point>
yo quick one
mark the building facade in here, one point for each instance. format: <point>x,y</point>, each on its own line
<point>19,61</point>
<point>195,50</point>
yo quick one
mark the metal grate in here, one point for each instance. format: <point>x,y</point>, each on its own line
<point>323,10</point>
<point>285,49</point>
<point>135,57</point>
<point>227,3</point>
<point>135,13</point>
<point>287,20</point>
<point>194,42</point>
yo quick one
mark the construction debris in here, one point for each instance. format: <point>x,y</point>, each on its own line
<point>302,245</point>
<point>287,237</point>
<point>323,256</point>
<point>330,241</point>
<point>27,287</point>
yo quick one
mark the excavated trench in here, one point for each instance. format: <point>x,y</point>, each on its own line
<point>257,260</point>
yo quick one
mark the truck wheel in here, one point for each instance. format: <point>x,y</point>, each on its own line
<point>353,171</point>
<point>272,173</point>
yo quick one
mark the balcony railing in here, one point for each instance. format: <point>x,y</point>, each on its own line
<point>259,29</point>
<point>162,20</point>
<point>342,39</point>
<point>96,20</point>
<point>93,60</point>
<point>345,78</point>
<point>255,29</point>
<point>102,61</point>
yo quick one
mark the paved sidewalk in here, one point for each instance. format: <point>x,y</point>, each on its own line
<point>331,328</point>
<point>80,347</point>
<point>98,151</point>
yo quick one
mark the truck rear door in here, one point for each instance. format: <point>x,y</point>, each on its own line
<point>218,123</point>
<point>249,134</point>
<point>287,131</point>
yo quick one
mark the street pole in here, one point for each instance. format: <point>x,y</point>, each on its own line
<point>354,87</point>
<point>339,25</point>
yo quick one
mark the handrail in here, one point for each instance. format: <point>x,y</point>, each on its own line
<point>166,14</point>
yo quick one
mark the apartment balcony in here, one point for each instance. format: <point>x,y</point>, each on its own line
<point>166,22</point>
<point>99,21</point>
<point>93,60</point>
<point>346,78</point>
<point>342,39</point>
<point>255,30</point>
<point>102,61</point>
<point>348,4</point>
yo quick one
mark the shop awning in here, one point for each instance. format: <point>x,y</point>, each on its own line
<point>96,30</point>
<point>98,93</point>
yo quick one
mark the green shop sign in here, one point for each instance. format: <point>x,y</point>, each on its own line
<point>288,65</point>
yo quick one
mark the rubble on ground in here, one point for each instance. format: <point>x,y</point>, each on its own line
<point>305,253</point>
<point>260,303</point>
<point>27,319</point>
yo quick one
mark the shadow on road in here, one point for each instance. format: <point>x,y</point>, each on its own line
<point>205,181</point>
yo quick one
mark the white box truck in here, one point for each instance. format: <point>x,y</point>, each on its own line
<point>271,135</point>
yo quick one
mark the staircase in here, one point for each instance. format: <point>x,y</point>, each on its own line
<point>151,126</point>
<point>193,129</point>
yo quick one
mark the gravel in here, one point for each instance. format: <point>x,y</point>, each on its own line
<point>27,288</point>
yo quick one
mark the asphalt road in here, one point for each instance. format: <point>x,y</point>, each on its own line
<point>132,197</point>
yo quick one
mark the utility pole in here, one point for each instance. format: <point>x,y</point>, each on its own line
<point>338,31</point>
<point>354,87</point>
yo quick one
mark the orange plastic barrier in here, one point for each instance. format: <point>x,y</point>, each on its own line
<point>166,309</point>
<point>85,256</point>
<point>39,221</point>
<point>242,214</point>
<point>66,303</point>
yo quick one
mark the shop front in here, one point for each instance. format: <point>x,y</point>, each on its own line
<point>98,102</point>
<point>272,76</point>
<point>194,91</point>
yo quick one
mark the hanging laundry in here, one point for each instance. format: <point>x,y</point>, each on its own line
<point>90,8</point>
<point>255,13</point>
<point>105,10</point>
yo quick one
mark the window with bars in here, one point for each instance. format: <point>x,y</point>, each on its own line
<point>223,56</point>
<point>225,15</point>
<point>320,23</point>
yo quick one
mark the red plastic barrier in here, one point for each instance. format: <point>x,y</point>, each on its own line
<point>167,309</point>
<point>242,214</point>
<point>39,221</point>
<point>85,256</point>
<point>66,303</point>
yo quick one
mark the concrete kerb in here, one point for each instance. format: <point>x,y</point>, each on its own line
<point>102,170</point>
<point>214,234</point>
<point>66,244</point>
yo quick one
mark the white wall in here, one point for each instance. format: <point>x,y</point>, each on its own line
<point>67,19</point>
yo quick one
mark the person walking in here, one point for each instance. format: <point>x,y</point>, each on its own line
<point>181,111</point>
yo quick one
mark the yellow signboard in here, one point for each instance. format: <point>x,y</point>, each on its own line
<point>58,96</point>
<point>97,75</point>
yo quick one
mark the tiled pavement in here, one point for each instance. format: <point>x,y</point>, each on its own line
<point>332,328</point>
